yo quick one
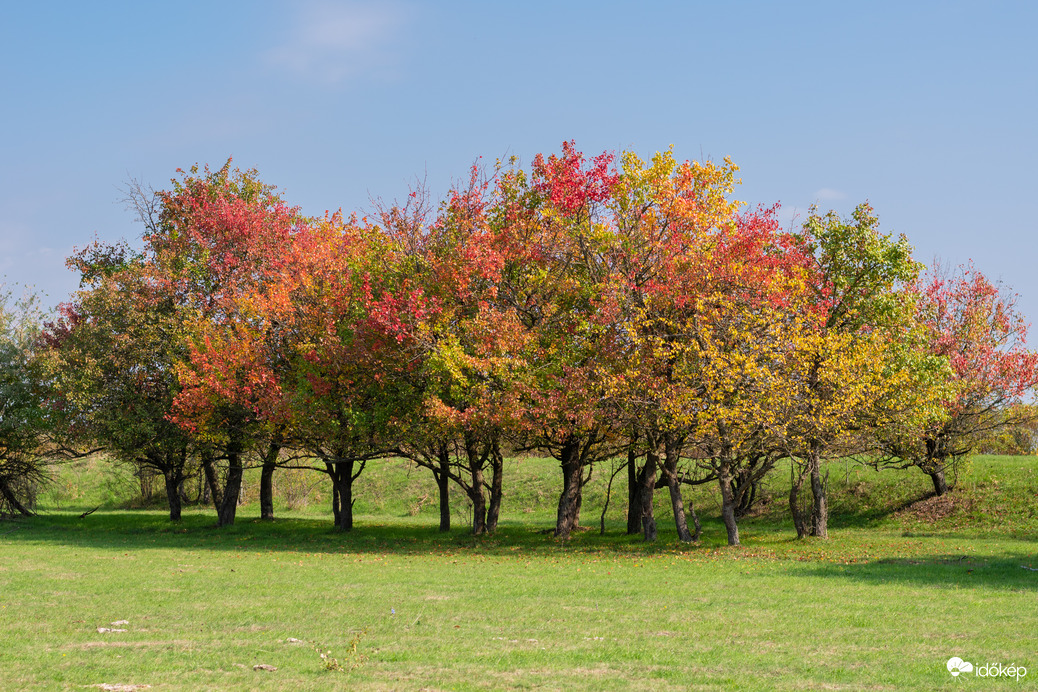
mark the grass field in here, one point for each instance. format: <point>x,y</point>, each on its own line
<point>898,590</point>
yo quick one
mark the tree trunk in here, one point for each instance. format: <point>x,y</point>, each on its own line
<point>267,491</point>
<point>346,496</point>
<point>497,465</point>
<point>940,483</point>
<point>232,489</point>
<point>336,503</point>
<point>12,499</point>
<point>203,492</point>
<point>173,480</point>
<point>695,522</point>
<point>634,507</point>
<point>341,473</point>
<point>575,520</point>
<point>680,521</point>
<point>728,501</point>
<point>443,484</point>
<point>648,488</point>
<point>475,490</point>
<point>212,481</point>
<point>267,482</point>
<point>479,511</point>
<point>670,469</point>
<point>797,476</point>
<point>745,488</point>
<point>565,519</point>
<point>819,487</point>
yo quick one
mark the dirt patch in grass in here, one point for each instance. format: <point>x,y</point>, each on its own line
<point>936,507</point>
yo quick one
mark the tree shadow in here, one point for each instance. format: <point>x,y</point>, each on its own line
<point>146,530</point>
<point>1017,572</point>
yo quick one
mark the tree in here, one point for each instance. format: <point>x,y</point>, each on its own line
<point>730,345</point>
<point>471,348</point>
<point>220,239</point>
<point>24,420</point>
<point>345,317</point>
<point>558,228</point>
<point>112,363</point>
<point>975,325</point>
<point>850,355</point>
<point>745,357</point>
<point>665,217</point>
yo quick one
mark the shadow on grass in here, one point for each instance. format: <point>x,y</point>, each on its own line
<point>143,530</point>
<point>128,530</point>
<point>1018,572</point>
<point>776,515</point>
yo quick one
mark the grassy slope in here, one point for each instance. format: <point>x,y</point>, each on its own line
<point>881,605</point>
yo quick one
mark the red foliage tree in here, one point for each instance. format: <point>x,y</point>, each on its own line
<point>975,325</point>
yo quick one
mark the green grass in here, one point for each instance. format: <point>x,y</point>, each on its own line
<point>883,604</point>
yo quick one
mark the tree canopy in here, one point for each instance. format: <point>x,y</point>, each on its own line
<point>585,308</point>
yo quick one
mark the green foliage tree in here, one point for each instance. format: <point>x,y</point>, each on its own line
<point>112,362</point>
<point>25,425</point>
<point>851,357</point>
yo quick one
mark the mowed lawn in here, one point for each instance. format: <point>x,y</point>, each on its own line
<point>395,605</point>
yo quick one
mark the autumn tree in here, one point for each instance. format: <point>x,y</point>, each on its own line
<point>665,216</point>
<point>851,354</point>
<point>976,326</point>
<point>470,345</point>
<point>553,228</point>
<point>24,421</point>
<point>744,343</point>
<point>347,317</point>
<point>112,362</point>
<point>218,238</point>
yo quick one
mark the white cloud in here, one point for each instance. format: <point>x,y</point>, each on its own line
<point>334,41</point>
<point>827,194</point>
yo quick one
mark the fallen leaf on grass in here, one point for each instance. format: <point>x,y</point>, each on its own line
<point>293,640</point>
<point>935,508</point>
<point>105,630</point>
<point>264,666</point>
<point>121,622</point>
<point>121,688</point>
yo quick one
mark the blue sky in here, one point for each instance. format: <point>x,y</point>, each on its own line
<point>927,109</point>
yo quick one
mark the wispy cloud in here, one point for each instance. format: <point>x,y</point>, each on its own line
<point>828,194</point>
<point>335,41</point>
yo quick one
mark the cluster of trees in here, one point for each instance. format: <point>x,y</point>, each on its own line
<point>588,308</point>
